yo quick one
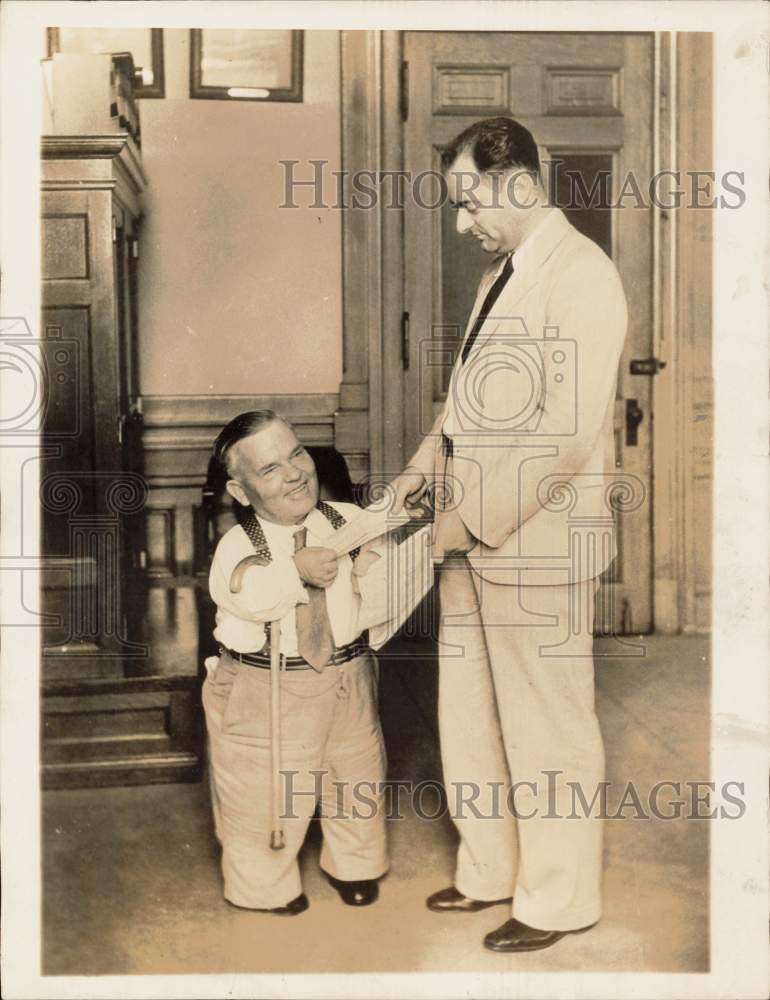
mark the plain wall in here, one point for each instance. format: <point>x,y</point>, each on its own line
<point>238,295</point>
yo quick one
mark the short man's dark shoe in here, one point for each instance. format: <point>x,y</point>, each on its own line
<point>452,900</point>
<point>516,936</point>
<point>290,909</point>
<point>360,893</point>
<point>298,905</point>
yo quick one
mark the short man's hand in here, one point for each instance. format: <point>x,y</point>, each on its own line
<point>316,565</point>
<point>408,488</point>
<point>450,536</point>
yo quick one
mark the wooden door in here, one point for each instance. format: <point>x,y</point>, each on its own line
<point>587,99</point>
<point>87,338</point>
<point>78,341</point>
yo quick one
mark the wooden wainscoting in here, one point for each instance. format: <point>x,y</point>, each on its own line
<point>178,434</point>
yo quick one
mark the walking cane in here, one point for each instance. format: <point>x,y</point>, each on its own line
<point>277,840</point>
<point>276,830</point>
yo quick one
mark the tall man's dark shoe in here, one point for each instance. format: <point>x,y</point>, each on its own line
<point>360,893</point>
<point>516,936</point>
<point>451,900</point>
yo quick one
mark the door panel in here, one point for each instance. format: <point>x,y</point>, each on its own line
<point>587,99</point>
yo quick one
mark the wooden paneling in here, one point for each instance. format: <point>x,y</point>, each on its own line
<point>179,431</point>
<point>65,246</point>
<point>462,90</point>
<point>693,333</point>
<point>120,731</point>
<point>580,91</point>
<point>370,421</point>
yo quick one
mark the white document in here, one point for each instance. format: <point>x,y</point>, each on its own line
<point>395,583</point>
<point>401,575</point>
<point>369,523</point>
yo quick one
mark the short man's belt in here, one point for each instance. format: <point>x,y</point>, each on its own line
<point>261,659</point>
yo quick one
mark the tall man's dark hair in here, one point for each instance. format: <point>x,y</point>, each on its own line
<point>494,145</point>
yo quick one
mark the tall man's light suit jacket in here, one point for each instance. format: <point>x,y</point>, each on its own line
<point>530,412</point>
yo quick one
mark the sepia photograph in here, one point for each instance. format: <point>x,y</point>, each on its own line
<point>392,592</point>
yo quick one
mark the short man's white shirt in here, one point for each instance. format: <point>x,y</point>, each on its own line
<point>273,591</point>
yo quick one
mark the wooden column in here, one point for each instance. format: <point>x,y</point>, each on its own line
<point>368,426</point>
<point>694,321</point>
<point>683,446</point>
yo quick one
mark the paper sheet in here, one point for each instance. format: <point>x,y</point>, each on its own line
<point>395,584</point>
<point>369,523</point>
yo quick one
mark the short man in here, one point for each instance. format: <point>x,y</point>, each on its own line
<point>331,742</point>
<point>524,441</point>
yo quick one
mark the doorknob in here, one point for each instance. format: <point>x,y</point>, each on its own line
<point>634,416</point>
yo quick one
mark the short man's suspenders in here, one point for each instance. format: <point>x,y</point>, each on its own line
<point>256,535</point>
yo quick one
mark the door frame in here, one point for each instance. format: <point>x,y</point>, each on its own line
<point>369,425</point>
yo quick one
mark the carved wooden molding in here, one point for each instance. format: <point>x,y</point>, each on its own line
<point>372,139</point>
<point>116,146</point>
<point>180,430</point>
<point>684,413</point>
<point>215,411</point>
<point>462,90</point>
<point>583,91</point>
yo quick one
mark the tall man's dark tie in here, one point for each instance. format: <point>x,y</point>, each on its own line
<point>315,642</point>
<point>489,301</point>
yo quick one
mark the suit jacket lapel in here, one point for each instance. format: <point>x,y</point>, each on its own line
<point>520,282</point>
<point>524,277</point>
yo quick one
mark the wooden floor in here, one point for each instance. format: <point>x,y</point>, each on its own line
<point>131,879</point>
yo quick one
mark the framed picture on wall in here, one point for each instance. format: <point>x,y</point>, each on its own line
<point>144,44</point>
<point>245,65</point>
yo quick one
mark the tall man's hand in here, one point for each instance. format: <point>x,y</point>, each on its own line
<point>408,489</point>
<point>450,536</point>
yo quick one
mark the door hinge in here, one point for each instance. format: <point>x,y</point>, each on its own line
<point>404,91</point>
<point>405,341</point>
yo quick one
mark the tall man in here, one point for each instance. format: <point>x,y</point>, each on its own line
<point>522,452</point>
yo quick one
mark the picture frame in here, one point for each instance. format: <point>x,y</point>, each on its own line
<point>144,44</point>
<point>246,65</point>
